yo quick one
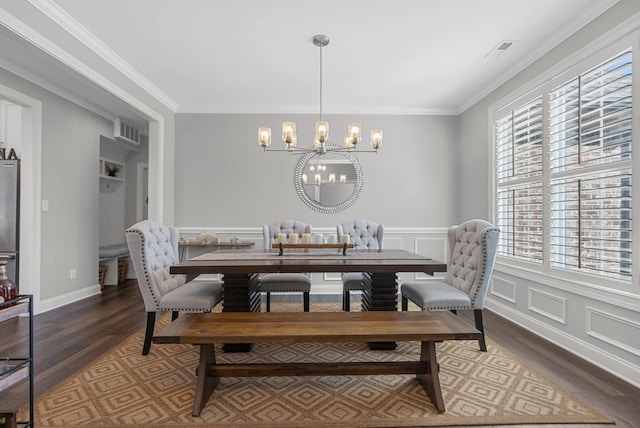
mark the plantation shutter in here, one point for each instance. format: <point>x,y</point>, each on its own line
<point>590,137</point>
<point>519,163</point>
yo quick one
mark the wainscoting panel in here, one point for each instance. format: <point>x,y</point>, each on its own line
<point>615,330</point>
<point>434,247</point>
<point>548,305</point>
<point>393,243</point>
<point>503,289</point>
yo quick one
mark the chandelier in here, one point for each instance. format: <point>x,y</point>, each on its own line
<point>321,135</point>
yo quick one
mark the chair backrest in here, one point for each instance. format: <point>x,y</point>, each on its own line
<point>271,230</point>
<point>472,253</point>
<point>364,234</point>
<point>153,248</point>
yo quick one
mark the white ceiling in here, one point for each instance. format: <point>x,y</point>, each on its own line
<point>400,56</point>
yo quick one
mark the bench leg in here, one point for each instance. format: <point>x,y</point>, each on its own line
<point>430,380</point>
<point>205,383</point>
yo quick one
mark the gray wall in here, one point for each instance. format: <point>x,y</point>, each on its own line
<point>225,179</point>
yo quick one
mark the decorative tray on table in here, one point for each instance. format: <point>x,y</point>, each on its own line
<point>282,246</point>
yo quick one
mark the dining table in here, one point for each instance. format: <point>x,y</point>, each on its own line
<point>241,269</point>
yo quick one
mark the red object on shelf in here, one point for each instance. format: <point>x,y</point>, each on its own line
<point>8,289</point>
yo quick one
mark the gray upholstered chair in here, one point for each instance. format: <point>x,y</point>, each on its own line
<point>153,248</point>
<point>285,282</point>
<point>472,252</point>
<point>365,235</point>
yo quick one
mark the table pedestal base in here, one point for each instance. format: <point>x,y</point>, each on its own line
<point>380,293</point>
<point>241,293</point>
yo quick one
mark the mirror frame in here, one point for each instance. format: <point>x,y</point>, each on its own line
<point>312,203</point>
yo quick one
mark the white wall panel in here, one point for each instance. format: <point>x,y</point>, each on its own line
<point>615,330</point>
<point>503,289</point>
<point>548,305</point>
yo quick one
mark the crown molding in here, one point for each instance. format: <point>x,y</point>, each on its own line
<point>84,36</point>
<point>268,109</point>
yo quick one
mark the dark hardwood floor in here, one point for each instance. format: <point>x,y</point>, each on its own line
<point>68,338</point>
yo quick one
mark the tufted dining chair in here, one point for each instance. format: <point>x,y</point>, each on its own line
<point>472,252</point>
<point>153,248</point>
<point>285,282</point>
<point>365,235</point>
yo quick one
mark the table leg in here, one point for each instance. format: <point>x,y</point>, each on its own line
<point>380,293</point>
<point>241,293</point>
<point>431,381</point>
<point>205,383</point>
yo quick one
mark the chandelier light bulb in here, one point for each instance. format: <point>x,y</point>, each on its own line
<point>332,178</point>
<point>355,133</point>
<point>305,178</point>
<point>376,138</point>
<point>264,137</point>
<point>289,136</point>
<point>318,178</point>
<point>343,178</point>
<point>348,142</point>
<point>322,131</point>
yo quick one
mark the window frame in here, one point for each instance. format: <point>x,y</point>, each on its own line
<point>592,55</point>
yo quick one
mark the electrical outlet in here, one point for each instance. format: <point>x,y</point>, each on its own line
<point>73,273</point>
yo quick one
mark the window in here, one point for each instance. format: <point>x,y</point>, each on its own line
<point>519,169</point>
<point>579,162</point>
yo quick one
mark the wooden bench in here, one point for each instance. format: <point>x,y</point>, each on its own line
<point>377,326</point>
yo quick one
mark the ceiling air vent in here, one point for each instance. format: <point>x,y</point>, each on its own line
<point>500,49</point>
<point>126,133</point>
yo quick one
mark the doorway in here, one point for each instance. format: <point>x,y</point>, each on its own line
<point>142,193</point>
<point>22,128</point>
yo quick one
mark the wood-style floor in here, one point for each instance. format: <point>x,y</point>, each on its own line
<point>68,338</point>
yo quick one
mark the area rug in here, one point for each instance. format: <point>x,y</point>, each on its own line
<point>123,388</point>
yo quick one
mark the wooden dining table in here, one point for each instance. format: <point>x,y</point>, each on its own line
<point>241,272</point>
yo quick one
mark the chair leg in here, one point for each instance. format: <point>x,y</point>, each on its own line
<point>405,304</point>
<point>346,301</point>
<point>174,315</point>
<point>477,314</point>
<point>151,322</point>
<point>305,297</point>
<point>268,301</point>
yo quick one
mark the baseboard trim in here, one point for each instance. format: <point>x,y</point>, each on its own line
<point>65,299</point>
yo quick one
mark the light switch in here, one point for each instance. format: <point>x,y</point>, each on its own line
<point>45,205</point>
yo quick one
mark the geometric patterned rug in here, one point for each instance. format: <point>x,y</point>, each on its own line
<point>124,388</point>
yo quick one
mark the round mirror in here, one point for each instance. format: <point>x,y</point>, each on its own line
<point>329,182</point>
